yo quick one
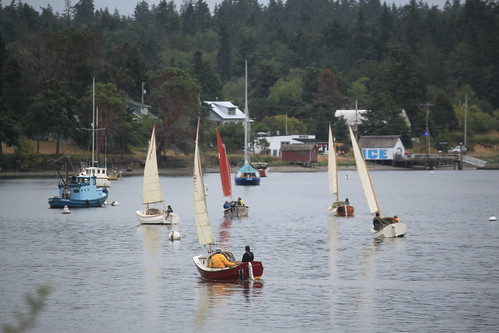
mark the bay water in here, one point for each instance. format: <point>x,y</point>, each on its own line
<point>322,274</point>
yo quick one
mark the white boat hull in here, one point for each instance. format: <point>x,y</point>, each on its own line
<point>390,231</point>
<point>156,216</point>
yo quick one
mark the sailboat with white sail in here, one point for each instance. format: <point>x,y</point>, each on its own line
<point>247,175</point>
<point>234,209</point>
<point>391,227</point>
<point>338,208</point>
<point>238,270</point>
<point>151,191</point>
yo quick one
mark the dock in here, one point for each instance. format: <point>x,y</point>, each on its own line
<point>432,161</point>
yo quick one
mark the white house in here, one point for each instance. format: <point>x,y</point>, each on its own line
<point>352,117</point>
<point>355,117</point>
<point>386,147</point>
<point>224,112</point>
<point>276,141</point>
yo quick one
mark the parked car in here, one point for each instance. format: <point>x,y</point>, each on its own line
<point>457,149</point>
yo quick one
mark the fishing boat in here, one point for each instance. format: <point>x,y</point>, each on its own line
<point>94,169</point>
<point>262,168</point>
<point>240,270</point>
<point>338,208</point>
<point>392,228</point>
<point>234,210</point>
<point>78,191</point>
<point>247,175</point>
<point>151,191</point>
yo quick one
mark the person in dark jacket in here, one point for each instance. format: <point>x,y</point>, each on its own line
<point>248,255</point>
<point>378,222</point>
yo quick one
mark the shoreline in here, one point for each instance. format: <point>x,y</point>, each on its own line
<point>188,171</point>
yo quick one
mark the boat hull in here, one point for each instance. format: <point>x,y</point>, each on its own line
<point>247,180</point>
<point>57,202</point>
<point>263,172</point>
<point>236,211</point>
<point>393,230</point>
<point>233,273</point>
<point>342,210</point>
<point>156,216</point>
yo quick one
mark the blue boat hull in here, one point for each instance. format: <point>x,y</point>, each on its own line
<point>247,180</point>
<point>57,202</point>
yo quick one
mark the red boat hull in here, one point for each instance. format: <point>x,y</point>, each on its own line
<point>345,210</point>
<point>233,273</point>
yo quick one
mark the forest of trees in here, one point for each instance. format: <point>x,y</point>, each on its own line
<point>306,58</point>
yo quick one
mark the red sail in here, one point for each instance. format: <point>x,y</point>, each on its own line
<point>223,162</point>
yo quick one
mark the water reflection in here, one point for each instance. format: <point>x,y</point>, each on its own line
<point>333,245</point>
<point>225,229</point>
<point>152,262</point>
<point>214,300</point>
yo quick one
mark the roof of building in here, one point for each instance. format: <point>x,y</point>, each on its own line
<point>296,147</point>
<point>351,116</point>
<point>385,141</point>
<point>221,109</point>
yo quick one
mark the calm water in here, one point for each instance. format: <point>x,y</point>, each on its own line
<point>321,274</point>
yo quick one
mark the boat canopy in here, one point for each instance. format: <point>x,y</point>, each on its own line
<point>247,168</point>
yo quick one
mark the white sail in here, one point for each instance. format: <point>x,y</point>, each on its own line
<point>332,167</point>
<point>203,227</point>
<point>365,179</point>
<point>151,191</point>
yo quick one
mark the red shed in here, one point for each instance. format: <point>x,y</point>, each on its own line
<point>304,154</point>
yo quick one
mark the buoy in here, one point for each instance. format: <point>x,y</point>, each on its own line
<point>431,173</point>
<point>115,203</point>
<point>66,210</point>
<point>492,218</point>
<point>174,235</point>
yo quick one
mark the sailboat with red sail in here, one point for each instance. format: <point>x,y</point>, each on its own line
<point>234,210</point>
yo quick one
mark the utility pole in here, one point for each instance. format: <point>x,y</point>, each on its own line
<point>427,132</point>
<point>356,122</point>
<point>465,120</point>
<point>143,91</point>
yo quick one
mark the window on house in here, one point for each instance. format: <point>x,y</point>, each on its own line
<point>232,110</point>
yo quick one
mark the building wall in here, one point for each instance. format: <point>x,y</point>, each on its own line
<point>305,156</point>
<point>393,153</point>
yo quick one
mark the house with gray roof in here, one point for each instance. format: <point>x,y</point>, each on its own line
<point>223,112</point>
<point>139,110</point>
<point>386,147</point>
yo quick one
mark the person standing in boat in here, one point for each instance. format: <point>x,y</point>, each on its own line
<point>248,255</point>
<point>378,222</point>
<point>347,202</point>
<point>169,210</point>
<point>240,202</point>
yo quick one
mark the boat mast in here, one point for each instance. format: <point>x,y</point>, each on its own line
<point>246,112</point>
<point>93,121</point>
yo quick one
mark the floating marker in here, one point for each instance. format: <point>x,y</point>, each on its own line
<point>66,210</point>
<point>174,235</point>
